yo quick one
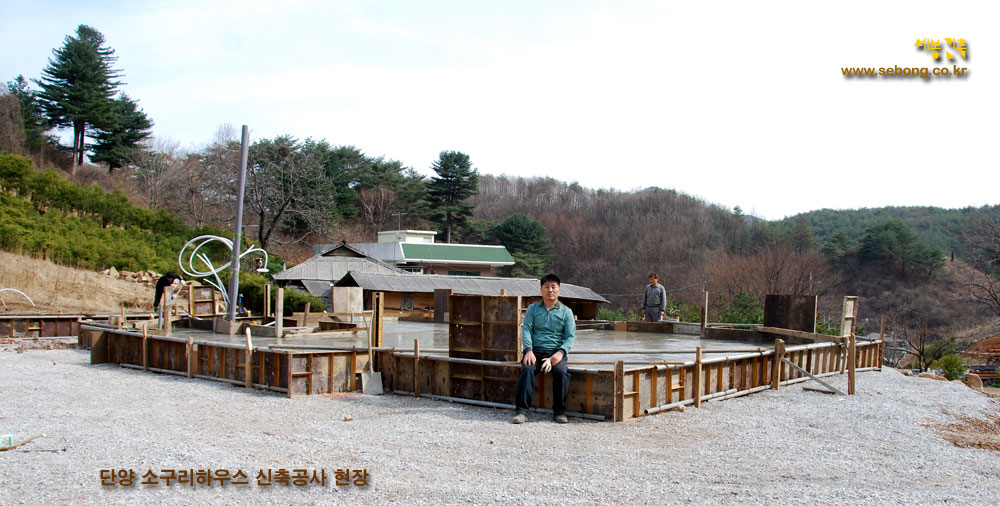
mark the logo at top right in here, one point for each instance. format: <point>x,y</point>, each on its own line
<point>953,48</point>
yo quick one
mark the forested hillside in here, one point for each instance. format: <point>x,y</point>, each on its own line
<point>943,228</point>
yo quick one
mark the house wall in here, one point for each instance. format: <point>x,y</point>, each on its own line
<point>482,270</point>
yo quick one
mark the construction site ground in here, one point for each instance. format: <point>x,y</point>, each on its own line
<point>894,442</point>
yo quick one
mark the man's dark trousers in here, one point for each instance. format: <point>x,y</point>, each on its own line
<point>526,384</point>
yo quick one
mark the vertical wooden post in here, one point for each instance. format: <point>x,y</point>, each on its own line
<point>851,359</point>
<point>121,322</point>
<point>779,352</point>
<point>380,307</point>
<point>619,399</point>
<point>416,368</point>
<point>881,345</point>
<point>305,315</point>
<point>279,314</point>
<point>167,319</point>
<point>249,359</point>
<point>267,302</point>
<point>189,355</point>
<point>696,388</point>
<point>145,354</point>
<point>191,300</point>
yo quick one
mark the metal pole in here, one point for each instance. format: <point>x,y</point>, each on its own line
<point>234,268</point>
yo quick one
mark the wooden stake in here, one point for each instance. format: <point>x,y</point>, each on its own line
<point>416,368</point>
<point>305,315</point>
<point>145,354</point>
<point>696,388</point>
<point>279,314</point>
<point>779,353</point>
<point>851,357</point>
<point>121,322</point>
<point>619,399</point>
<point>189,355</point>
<point>249,359</point>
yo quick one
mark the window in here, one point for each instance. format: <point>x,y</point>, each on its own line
<point>463,273</point>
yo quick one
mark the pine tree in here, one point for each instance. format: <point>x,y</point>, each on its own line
<point>118,140</point>
<point>32,118</point>
<point>78,85</point>
<point>456,181</point>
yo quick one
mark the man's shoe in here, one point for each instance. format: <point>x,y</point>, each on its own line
<point>560,419</point>
<point>520,418</point>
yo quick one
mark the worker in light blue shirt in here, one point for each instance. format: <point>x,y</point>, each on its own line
<point>547,335</point>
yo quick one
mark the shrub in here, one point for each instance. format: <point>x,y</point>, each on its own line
<point>951,366</point>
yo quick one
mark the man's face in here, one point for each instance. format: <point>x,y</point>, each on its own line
<point>550,291</point>
<point>653,280</point>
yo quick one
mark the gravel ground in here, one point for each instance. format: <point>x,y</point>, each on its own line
<point>791,446</point>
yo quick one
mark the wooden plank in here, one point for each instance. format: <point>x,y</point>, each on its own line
<point>590,394</point>
<point>635,400</point>
<point>800,334</point>
<point>820,390</point>
<point>653,380</point>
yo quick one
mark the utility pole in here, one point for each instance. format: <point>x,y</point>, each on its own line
<point>234,267</point>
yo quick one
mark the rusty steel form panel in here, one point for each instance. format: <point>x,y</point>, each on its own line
<point>793,312</point>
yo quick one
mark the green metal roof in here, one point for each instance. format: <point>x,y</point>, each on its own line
<point>456,253</point>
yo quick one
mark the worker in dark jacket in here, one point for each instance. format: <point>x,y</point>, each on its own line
<point>654,300</point>
<point>162,284</point>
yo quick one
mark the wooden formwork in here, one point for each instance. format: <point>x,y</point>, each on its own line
<point>624,394</point>
<point>29,326</point>
<point>294,372</point>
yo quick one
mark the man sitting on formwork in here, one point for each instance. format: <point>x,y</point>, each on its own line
<point>546,337</point>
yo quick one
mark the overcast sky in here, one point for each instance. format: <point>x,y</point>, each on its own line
<point>738,103</point>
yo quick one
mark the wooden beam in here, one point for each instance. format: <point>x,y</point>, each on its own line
<point>802,335</point>
<point>814,378</point>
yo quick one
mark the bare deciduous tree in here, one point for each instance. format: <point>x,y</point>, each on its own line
<point>377,205</point>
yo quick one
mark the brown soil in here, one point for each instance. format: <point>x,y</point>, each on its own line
<point>60,289</point>
<point>968,432</point>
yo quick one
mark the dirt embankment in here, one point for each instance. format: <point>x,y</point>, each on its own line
<point>60,289</point>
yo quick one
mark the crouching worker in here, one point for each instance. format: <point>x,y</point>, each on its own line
<point>166,281</point>
<point>546,337</point>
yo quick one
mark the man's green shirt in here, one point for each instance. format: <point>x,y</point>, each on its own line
<point>548,330</point>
